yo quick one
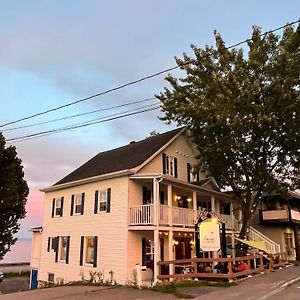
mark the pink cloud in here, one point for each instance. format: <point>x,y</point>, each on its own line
<point>35,204</point>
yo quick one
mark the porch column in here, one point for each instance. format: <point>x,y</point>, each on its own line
<point>195,201</point>
<point>232,217</point>
<point>171,253</point>
<point>170,202</point>
<point>156,253</point>
<point>156,224</point>
<point>213,203</point>
<point>233,244</point>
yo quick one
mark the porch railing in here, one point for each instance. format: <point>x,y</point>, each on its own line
<point>141,214</point>
<point>168,216</point>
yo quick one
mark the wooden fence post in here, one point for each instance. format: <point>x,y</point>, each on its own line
<point>230,271</point>
<point>271,262</point>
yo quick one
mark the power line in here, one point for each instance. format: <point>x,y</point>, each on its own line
<point>93,122</point>
<point>141,79</point>
<point>81,114</point>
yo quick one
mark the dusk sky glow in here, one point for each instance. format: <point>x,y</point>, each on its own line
<point>55,52</point>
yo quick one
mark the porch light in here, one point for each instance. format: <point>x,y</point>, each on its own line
<point>175,243</point>
<point>192,242</point>
<point>189,200</point>
<point>177,197</point>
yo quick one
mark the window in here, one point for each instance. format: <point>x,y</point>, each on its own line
<point>88,250</point>
<point>51,277</point>
<point>77,204</point>
<point>102,201</point>
<point>204,205</point>
<point>169,165</point>
<point>288,239</point>
<point>57,207</point>
<point>63,245</point>
<point>192,173</point>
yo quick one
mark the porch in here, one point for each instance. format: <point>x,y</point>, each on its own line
<point>144,215</point>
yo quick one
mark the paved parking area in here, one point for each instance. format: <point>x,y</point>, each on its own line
<point>14,284</point>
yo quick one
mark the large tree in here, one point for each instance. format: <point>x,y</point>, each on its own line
<point>243,110</point>
<point>13,196</point>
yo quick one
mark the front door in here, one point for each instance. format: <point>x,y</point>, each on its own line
<point>183,248</point>
<point>34,279</point>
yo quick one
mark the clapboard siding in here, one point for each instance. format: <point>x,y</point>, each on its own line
<point>111,229</point>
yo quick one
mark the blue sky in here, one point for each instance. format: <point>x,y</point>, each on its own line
<point>55,52</point>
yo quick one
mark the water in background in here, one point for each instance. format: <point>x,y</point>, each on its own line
<point>20,252</point>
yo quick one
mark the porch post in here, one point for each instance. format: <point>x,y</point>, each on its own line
<point>170,198</point>
<point>195,201</point>
<point>156,229</point>
<point>213,203</point>
<point>171,253</point>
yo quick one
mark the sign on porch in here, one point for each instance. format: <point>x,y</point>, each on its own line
<point>209,235</point>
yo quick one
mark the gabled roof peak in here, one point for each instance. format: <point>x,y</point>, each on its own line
<point>123,158</point>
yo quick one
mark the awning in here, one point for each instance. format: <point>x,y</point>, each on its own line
<point>258,245</point>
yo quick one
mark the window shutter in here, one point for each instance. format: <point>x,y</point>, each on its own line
<point>82,203</point>
<point>62,206</point>
<point>164,163</point>
<point>175,167</point>
<point>95,251</point>
<point>81,251</point>
<point>96,202</point>
<point>108,197</point>
<point>143,251</point>
<point>56,248</point>
<point>72,205</point>
<point>188,172</point>
<point>67,249</point>
<point>48,247</point>
<point>197,176</point>
<point>53,207</point>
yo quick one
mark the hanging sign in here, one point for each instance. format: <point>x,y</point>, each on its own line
<point>209,235</point>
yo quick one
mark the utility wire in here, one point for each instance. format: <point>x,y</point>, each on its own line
<point>93,122</point>
<point>141,79</point>
<point>81,114</point>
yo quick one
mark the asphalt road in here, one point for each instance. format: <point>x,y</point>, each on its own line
<point>14,284</point>
<point>292,292</point>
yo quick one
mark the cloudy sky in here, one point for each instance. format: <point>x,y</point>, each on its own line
<point>56,52</point>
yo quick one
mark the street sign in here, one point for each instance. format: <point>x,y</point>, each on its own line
<point>209,235</point>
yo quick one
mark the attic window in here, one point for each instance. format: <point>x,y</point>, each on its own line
<point>169,165</point>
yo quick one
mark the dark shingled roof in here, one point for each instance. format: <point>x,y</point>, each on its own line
<point>123,158</point>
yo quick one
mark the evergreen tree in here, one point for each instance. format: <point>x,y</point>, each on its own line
<point>243,112</point>
<point>13,195</point>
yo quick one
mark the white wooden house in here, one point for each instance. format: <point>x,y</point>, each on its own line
<point>134,204</point>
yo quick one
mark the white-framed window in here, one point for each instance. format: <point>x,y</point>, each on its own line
<point>58,206</point>
<point>51,277</point>
<point>63,245</point>
<point>89,246</point>
<point>77,209</point>
<point>103,201</point>
<point>169,165</point>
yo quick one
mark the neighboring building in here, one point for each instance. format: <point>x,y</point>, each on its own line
<point>132,205</point>
<point>278,218</point>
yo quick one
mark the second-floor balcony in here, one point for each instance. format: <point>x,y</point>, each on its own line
<point>169,216</point>
<point>280,215</point>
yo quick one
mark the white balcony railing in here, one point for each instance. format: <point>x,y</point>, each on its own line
<point>141,214</point>
<point>275,214</point>
<point>295,215</point>
<point>170,216</point>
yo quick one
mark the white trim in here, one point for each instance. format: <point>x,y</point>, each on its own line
<point>87,180</point>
